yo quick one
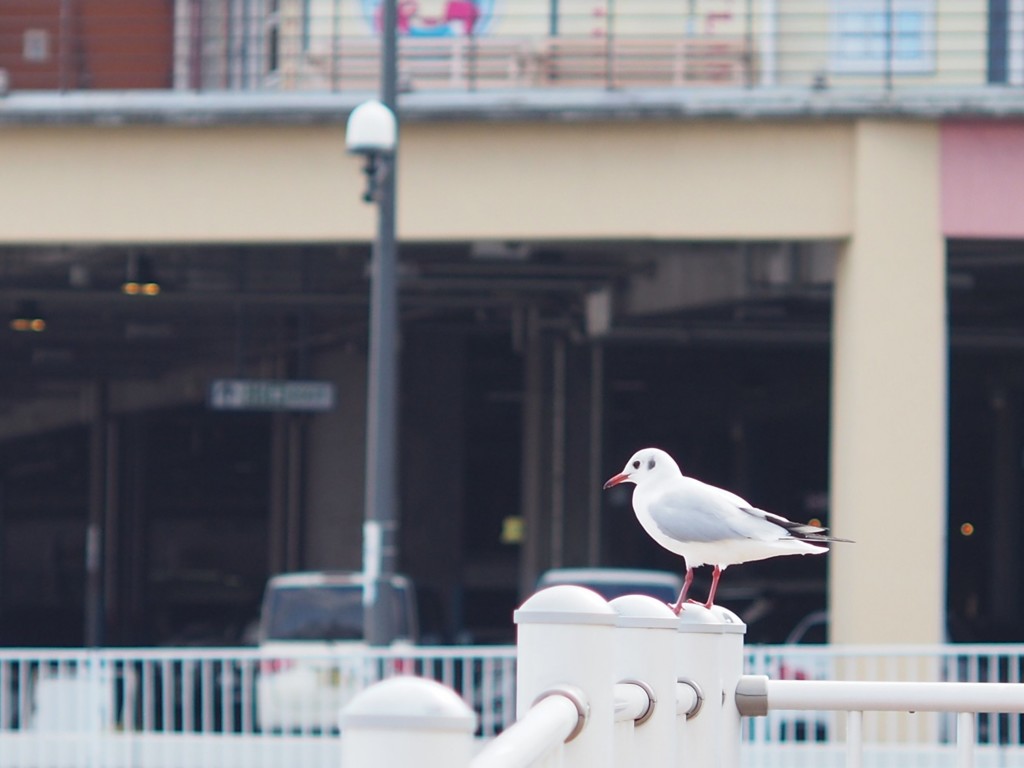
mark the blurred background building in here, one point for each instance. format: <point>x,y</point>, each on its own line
<point>783,240</point>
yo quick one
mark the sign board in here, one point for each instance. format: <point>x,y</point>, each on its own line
<point>270,395</point>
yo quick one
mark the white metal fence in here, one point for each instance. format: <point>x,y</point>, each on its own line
<point>198,707</point>
<point>978,663</point>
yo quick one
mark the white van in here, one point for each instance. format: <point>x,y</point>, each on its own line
<point>311,643</point>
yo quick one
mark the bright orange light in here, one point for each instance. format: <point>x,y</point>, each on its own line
<point>967,529</point>
<point>815,522</point>
<point>133,288</point>
<point>36,324</point>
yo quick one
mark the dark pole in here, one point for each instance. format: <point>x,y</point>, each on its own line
<point>94,532</point>
<point>381,526</point>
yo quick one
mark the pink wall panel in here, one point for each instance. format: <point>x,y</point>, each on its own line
<point>983,179</point>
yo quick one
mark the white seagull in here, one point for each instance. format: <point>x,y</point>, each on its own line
<point>709,525</point>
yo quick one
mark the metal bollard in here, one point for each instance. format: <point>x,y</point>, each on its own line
<point>645,649</point>
<point>565,639</point>
<point>710,658</point>
<point>407,721</point>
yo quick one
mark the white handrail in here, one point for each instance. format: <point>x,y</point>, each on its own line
<point>848,695</point>
<point>546,726</point>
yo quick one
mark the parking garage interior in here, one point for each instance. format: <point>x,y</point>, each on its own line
<point>530,372</point>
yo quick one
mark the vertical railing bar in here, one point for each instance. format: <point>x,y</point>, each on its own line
<point>487,703</point>
<point>129,691</point>
<point>508,679</point>
<point>227,694</point>
<point>148,704</point>
<point>247,682</point>
<point>208,693</point>
<point>609,51</point>
<point>187,696</point>
<point>5,695</point>
<point>1002,721</point>
<point>854,739</point>
<point>965,739</point>
<point>1013,676</point>
<point>167,695</point>
<point>448,671</point>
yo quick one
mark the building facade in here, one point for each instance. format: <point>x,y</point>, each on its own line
<point>784,245</point>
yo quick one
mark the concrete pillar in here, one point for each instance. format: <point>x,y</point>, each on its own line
<point>889,388</point>
<point>645,646</point>
<point>565,641</point>
<point>709,657</point>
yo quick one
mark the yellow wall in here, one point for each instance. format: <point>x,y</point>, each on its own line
<point>456,181</point>
<point>888,452</point>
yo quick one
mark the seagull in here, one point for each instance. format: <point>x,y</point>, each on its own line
<point>708,525</point>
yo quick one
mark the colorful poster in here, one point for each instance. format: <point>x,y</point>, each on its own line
<point>435,18</point>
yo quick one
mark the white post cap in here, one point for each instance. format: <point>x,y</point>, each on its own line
<point>695,618</point>
<point>409,703</point>
<point>643,611</point>
<point>565,604</point>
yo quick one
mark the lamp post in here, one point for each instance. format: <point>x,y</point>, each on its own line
<point>372,132</point>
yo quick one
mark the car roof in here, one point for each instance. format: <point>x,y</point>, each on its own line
<point>326,578</point>
<point>609,576</point>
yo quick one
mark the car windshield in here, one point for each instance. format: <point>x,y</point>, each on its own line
<point>323,612</point>
<point>610,589</point>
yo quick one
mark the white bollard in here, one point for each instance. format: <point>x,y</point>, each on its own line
<point>645,649</point>
<point>565,640</point>
<point>407,721</point>
<point>709,656</point>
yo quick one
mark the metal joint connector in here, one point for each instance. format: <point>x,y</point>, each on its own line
<point>651,700</point>
<point>578,699</point>
<point>752,695</point>
<point>698,696</point>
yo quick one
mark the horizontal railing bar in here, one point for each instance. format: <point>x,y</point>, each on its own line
<point>250,653</point>
<point>849,695</point>
<point>545,726</point>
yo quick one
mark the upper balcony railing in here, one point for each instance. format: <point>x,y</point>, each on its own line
<point>478,45</point>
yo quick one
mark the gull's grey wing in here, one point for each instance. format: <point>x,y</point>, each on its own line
<point>702,513</point>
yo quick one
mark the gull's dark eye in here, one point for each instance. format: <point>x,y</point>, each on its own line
<point>650,464</point>
<point>636,465</point>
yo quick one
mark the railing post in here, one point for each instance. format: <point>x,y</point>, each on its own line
<point>645,648</point>
<point>709,656</point>
<point>565,639</point>
<point>407,721</point>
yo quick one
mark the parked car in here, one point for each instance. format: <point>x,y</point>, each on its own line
<point>310,637</point>
<point>616,582</point>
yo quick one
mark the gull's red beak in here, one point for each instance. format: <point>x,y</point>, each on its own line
<point>615,480</point>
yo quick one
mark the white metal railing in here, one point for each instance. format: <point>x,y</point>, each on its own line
<point>628,683</point>
<point>972,663</point>
<point>140,707</point>
<point>217,707</point>
<point>468,45</point>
